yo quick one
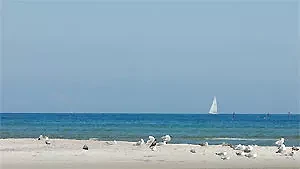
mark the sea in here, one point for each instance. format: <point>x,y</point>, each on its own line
<point>259,129</point>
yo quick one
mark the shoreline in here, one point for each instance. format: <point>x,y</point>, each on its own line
<point>68,153</point>
<point>124,141</point>
<point>224,140</point>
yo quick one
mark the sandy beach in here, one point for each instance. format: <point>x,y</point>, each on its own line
<point>63,153</point>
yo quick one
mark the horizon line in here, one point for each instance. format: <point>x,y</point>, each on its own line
<point>70,112</point>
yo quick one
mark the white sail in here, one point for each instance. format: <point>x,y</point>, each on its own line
<point>214,107</point>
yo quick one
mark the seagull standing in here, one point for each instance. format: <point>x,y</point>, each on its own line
<point>204,144</point>
<point>254,155</point>
<point>295,148</point>
<point>166,138</point>
<point>241,153</point>
<point>153,145</point>
<point>225,158</point>
<point>281,149</point>
<point>222,153</point>
<point>141,142</point>
<point>40,137</point>
<point>248,149</point>
<point>279,142</point>
<point>151,139</point>
<point>161,143</point>
<point>240,147</point>
<point>47,141</point>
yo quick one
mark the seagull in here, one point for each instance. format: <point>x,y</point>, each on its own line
<point>153,145</point>
<point>204,144</point>
<point>248,149</point>
<point>295,148</point>
<point>241,153</point>
<point>254,155</point>
<point>279,142</point>
<point>141,142</point>
<point>47,141</point>
<point>281,149</point>
<point>240,147</point>
<point>151,139</point>
<point>40,137</point>
<point>222,153</point>
<point>225,157</point>
<point>161,143</point>
<point>166,138</point>
<point>226,144</point>
<point>290,154</point>
<point>153,148</point>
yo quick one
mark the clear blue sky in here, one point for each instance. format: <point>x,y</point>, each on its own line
<point>150,56</point>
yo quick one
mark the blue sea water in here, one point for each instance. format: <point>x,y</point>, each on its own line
<point>184,128</point>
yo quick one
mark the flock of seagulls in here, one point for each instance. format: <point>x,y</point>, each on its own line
<point>241,150</point>
<point>245,151</point>
<point>152,142</point>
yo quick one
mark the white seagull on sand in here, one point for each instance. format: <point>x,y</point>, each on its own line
<point>281,149</point>
<point>151,140</point>
<point>250,155</point>
<point>279,142</point>
<point>153,145</point>
<point>222,153</point>
<point>166,138</point>
<point>161,143</point>
<point>47,141</point>
<point>204,144</point>
<point>40,137</point>
<point>248,149</point>
<point>241,153</point>
<point>141,142</point>
<point>240,147</point>
<point>225,158</point>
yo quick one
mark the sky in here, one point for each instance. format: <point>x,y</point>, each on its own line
<point>150,56</point>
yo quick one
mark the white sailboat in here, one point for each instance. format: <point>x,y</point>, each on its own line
<point>214,107</point>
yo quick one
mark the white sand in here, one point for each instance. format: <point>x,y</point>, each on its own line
<point>35,154</point>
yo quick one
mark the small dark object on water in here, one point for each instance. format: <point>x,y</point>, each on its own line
<point>295,148</point>
<point>85,147</point>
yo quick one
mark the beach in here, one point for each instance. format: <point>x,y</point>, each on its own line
<point>68,153</point>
